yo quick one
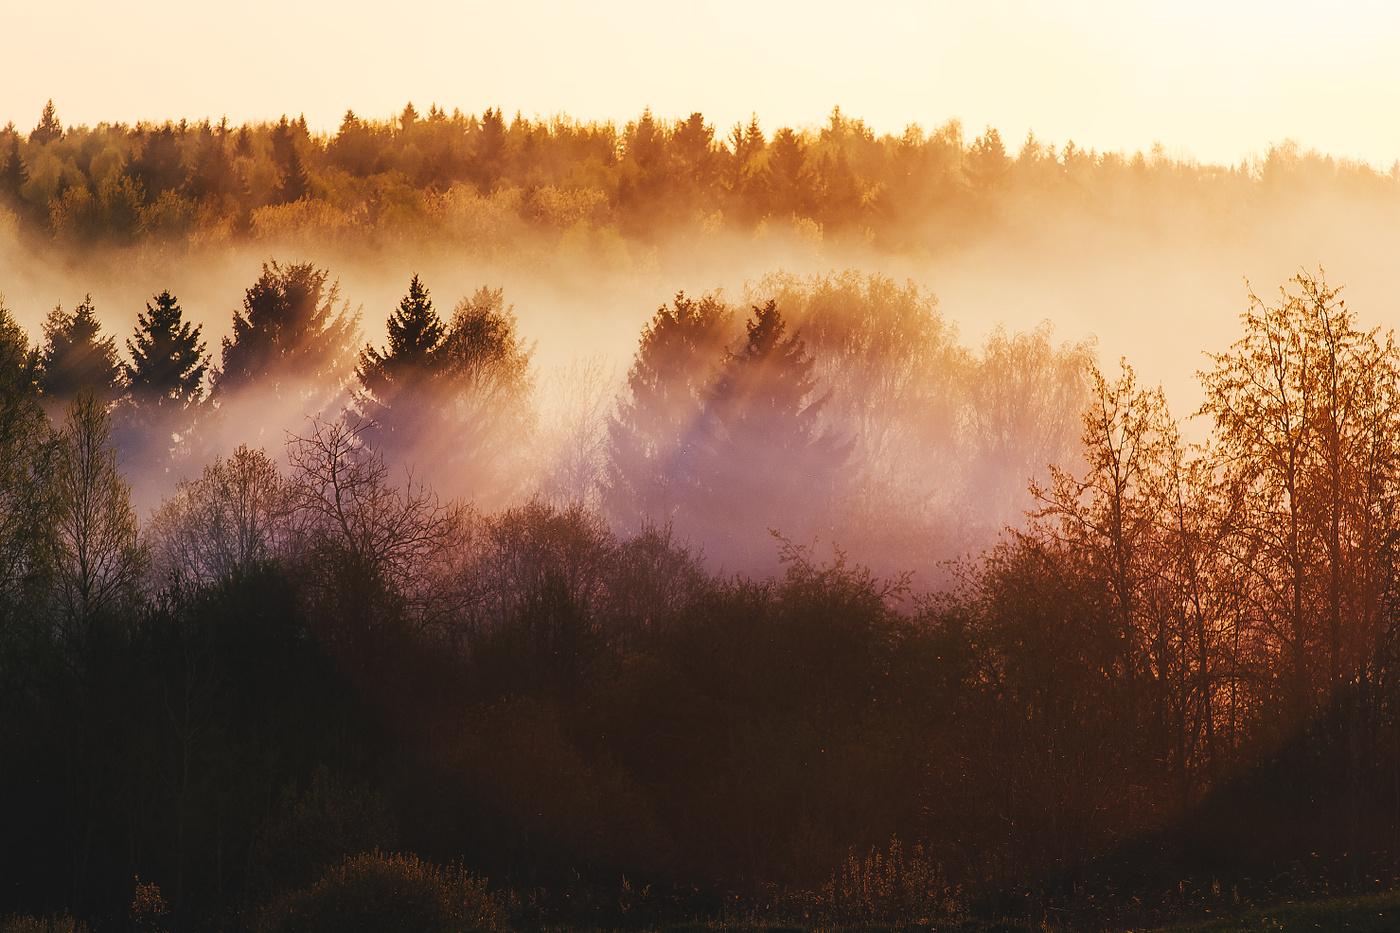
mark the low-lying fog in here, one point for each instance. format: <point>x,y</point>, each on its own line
<point>1162,294</point>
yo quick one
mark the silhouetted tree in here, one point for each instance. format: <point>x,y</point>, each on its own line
<point>100,561</point>
<point>48,128</point>
<point>13,177</point>
<point>27,452</point>
<point>290,332</point>
<point>235,517</point>
<point>987,161</point>
<point>212,178</point>
<point>675,367</point>
<point>415,332</point>
<point>296,183</point>
<point>1307,446</point>
<point>756,457</point>
<point>158,168</point>
<point>486,392</point>
<point>168,360</point>
<point>75,356</point>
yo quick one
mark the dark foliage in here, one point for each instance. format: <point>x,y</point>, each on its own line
<point>228,720</point>
<point>290,335</point>
<point>77,357</point>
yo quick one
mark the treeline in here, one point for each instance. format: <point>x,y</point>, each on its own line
<point>1181,671</point>
<point>842,406</point>
<point>489,185</point>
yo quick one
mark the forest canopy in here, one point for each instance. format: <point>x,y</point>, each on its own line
<point>475,180</point>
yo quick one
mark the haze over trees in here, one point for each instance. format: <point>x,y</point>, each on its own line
<point>605,193</point>
<point>818,616</point>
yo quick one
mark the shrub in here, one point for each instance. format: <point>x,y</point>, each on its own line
<point>379,892</point>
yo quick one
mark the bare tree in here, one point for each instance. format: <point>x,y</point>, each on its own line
<point>100,561</point>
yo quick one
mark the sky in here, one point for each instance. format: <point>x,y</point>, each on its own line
<point>1214,81</point>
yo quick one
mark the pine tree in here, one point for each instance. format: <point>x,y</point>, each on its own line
<point>49,129</point>
<point>674,370</point>
<point>13,176</point>
<point>168,360</point>
<point>27,452</point>
<point>290,331</point>
<point>756,456</point>
<point>296,183</point>
<point>76,356</point>
<point>415,331</point>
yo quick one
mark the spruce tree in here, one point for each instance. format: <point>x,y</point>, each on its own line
<point>27,452</point>
<point>415,331</point>
<point>168,360</point>
<point>290,331</point>
<point>48,129</point>
<point>13,176</point>
<point>76,356</point>
<point>681,348</point>
<point>757,457</point>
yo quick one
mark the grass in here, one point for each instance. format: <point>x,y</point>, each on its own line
<point>1373,913</point>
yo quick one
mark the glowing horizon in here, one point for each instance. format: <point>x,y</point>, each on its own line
<point>1217,83</point>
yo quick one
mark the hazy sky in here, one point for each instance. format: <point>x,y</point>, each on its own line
<point>1217,81</point>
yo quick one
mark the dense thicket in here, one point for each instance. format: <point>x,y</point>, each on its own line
<point>480,182</point>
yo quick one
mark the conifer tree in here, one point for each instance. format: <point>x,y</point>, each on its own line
<point>13,175</point>
<point>290,330</point>
<point>26,464</point>
<point>76,356</point>
<point>168,360</point>
<point>756,456</point>
<point>48,129</point>
<point>296,183</point>
<point>680,351</point>
<point>415,332</point>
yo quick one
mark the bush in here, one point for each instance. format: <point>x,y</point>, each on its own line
<point>385,893</point>
<point>882,889</point>
<point>58,923</point>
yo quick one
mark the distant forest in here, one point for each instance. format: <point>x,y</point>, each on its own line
<point>485,182</point>
<point>443,658</point>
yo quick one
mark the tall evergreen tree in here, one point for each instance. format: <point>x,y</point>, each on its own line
<point>158,168</point>
<point>76,356</point>
<point>168,360</point>
<point>290,330</point>
<point>680,352</point>
<point>13,176</point>
<point>48,129</point>
<point>756,457</point>
<point>212,177</point>
<point>26,464</point>
<point>296,183</point>
<point>415,332</point>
